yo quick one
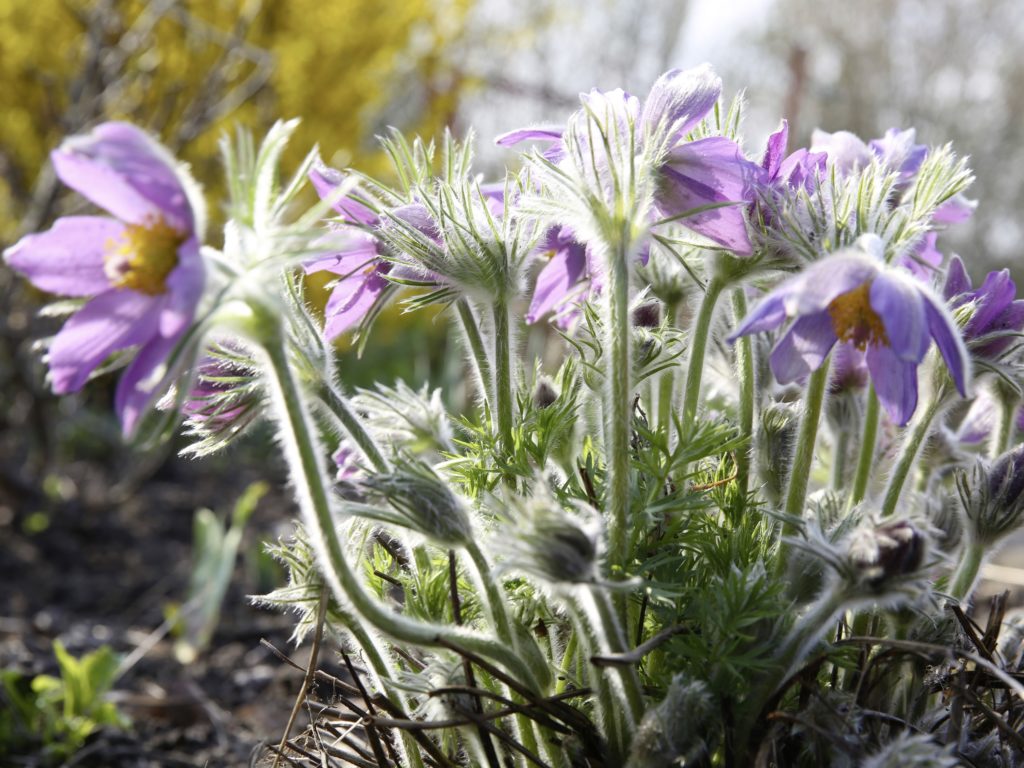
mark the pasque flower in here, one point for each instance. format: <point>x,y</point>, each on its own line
<point>358,263</point>
<point>709,173</point>
<point>854,297</point>
<point>707,182</point>
<point>140,268</point>
<point>571,276</point>
<point>996,314</point>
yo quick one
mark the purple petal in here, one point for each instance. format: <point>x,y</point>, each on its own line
<point>947,337</point>
<point>824,281</point>
<point>899,305</point>
<point>958,208</point>
<point>68,258</point>
<point>895,383</point>
<point>775,150</point>
<point>802,168</point>
<point>352,298</point>
<point>418,217</point>
<point>708,172</point>
<point>991,300</point>
<point>957,281</point>
<point>802,348</point>
<point>122,170</point>
<point>111,321</point>
<point>360,249</point>
<point>558,279</point>
<point>184,289</point>
<point>615,111</point>
<point>681,98</point>
<point>136,390</point>
<point>540,133</point>
<point>326,181</point>
<point>898,152</point>
<point>844,149</point>
<point>924,262</point>
<point>768,313</point>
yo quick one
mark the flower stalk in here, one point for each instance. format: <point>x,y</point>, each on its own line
<point>745,376</point>
<point>698,348</point>
<point>868,441</point>
<point>909,452</point>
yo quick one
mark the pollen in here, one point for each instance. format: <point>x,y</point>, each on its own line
<point>855,321</point>
<point>144,256</point>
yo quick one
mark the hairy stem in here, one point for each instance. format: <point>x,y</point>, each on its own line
<point>617,417</point>
<point>304,456</point>
<point>698,348</point>
<point>908,454</point>
<point>869,437</point>
<point>339,407</point>
<point>503,373</point>
<point>745,375</point>
<point>481,362</point>
<point>966,572</point>
<point>803,458</point>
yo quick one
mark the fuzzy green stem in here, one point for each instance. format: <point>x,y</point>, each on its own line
<point>617,418</point>
<point>476,346</point>
<point>966,572</point>
<point>745,374</point>
<point>338,405</point>
<point>839,459</point>
<point>1008,407</point>
<point>609,711</point>
<point>869,437</point>
<point>495,600</point>
<point>803,458</point>
<point>503,373</point>
<point>303,454</point>
<point>908,455</point>
<point>698,348</point>
<point>666,387</point>
<point>568,659</point>
<point>629,680</point>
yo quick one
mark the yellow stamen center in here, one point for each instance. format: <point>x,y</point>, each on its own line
<point>144,256</point>
<point>854,320</point>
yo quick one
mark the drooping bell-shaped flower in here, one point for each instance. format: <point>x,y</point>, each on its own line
<point>996,314</point>
<point>854,297</point>
<point>140,267</point>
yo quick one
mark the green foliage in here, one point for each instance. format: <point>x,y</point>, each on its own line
<point>58,714</point>
<point>214,551</point>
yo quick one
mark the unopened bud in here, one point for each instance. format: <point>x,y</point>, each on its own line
<point>992,497</point>
<point>544,395</point>
<point>647,315</point>
<point>887,552</point>
<point>424,503</point>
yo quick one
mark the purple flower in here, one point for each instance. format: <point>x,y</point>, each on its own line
<point>996,312</point>
<point>224,397</point>
<point>571,277</point>
<point>708,175</point>
<point>346,460</point>
<point>853,297</point>
<point>141,269</point>
<point>799,169</point>
<point>362,271</point>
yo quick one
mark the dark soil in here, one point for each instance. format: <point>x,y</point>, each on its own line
<point>109,562</point>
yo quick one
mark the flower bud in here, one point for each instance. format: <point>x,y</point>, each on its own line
<point>545,540</point>
<point>544,395</point>
<point>992,497</point>
<point>647,315</point>
<point>672,733</point>
<point>222,401</point>
<point>887,552</point>
<point>776,438</point>
<point>423,503</point>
